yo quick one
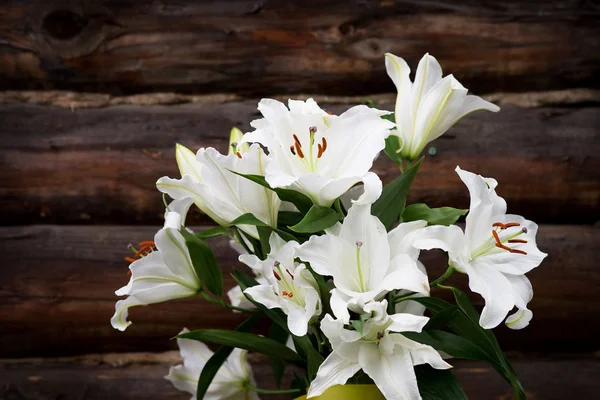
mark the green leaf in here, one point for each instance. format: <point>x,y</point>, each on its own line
<point>390,205</point>
<point>285,218</point>
<point>307,351</point>
<point>248,219</point>
<point>211,233</point>
<point>392,146</point>
<point>205,263</point>
<point>452,344</point>
<point>243,340</point>
<point>301,201</point>
<point>213,365</point>
<point>317,219</point>
<point>434,216</point>
<point>280,335</point>
<point>435,384</point>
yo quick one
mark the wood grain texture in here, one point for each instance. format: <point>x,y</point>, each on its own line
<point>100,165</point>
<point>140,376</point>
<point>264,47</point>
<point>57,293</point>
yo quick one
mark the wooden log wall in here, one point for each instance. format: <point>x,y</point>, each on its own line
<point>94,95</point>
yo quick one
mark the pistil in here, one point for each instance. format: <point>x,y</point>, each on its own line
<point>360,277</point>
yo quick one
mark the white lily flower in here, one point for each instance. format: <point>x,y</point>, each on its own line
<point>164,274</point>
<point>221,194</point>
<point>381,351</point>
<point>429,106</point>
<point>228,384</point>
<point>318,154</point>
<point>290,286</point>
<point>364,260</point>
<point>496,250</point>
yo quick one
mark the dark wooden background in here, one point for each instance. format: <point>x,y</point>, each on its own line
<point>94,95</point>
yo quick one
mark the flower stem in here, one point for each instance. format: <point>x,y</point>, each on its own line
<point>442,278</point>
<point>208,298</point>
<point>269,391</point>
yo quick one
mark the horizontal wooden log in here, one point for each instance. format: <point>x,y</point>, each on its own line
<point>57,293</point>
<point>251,47</point>
<point>100,165</point>
<point>140,376</point>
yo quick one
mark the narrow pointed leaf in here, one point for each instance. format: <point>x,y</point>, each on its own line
<point>317,219</point>
<point>435,384</point>
<point>243,340</point>
<point>205,263</point>
<point>434,216</point>
<point>280,335</point>
<point>390,205</point>
<point>211,232</point>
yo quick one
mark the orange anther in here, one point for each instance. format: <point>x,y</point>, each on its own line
<point>299,150</point>
<point>146,243</point>
<point>499,225</point>
<point>129,259</point>
<point>517,241</point>
<point>290,274</point>
<point>498,242</point>
<point>511,224</point>
<point>297,141</point>
<point>276,276</point>
<point>324,142</point>
<point>518,251</point>
<point>290,295</point>
<point>320,152</point>
<point>500,245</point>
<point>238,154</point>
<point>292,150</point>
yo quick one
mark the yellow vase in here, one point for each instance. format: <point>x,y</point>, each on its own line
<point>349,392</point>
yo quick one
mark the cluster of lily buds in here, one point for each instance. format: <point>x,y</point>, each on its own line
<point>346,272</point>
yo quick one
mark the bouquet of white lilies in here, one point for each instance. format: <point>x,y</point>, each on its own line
<point>333,255</point>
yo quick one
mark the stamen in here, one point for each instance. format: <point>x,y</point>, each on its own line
<point>496,237</point>
<point>324,141</point>
<point>511,224</point>
<point>499,225</point>
<point>289,273</point>
<point>503,247</point>
<point>292,150</point>
<point>276,275</point>
<point>146,243</point>
<point>238,154</point>
<point>499,243</point>
<point>290,295</point>
<point>296,140</point>
<point>517,241</point>
<point>299,150</point>
<point>320,152</point>
<point>129,259</point>
<point>518,251</point>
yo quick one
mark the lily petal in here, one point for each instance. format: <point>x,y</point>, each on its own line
<point>333,371</point>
